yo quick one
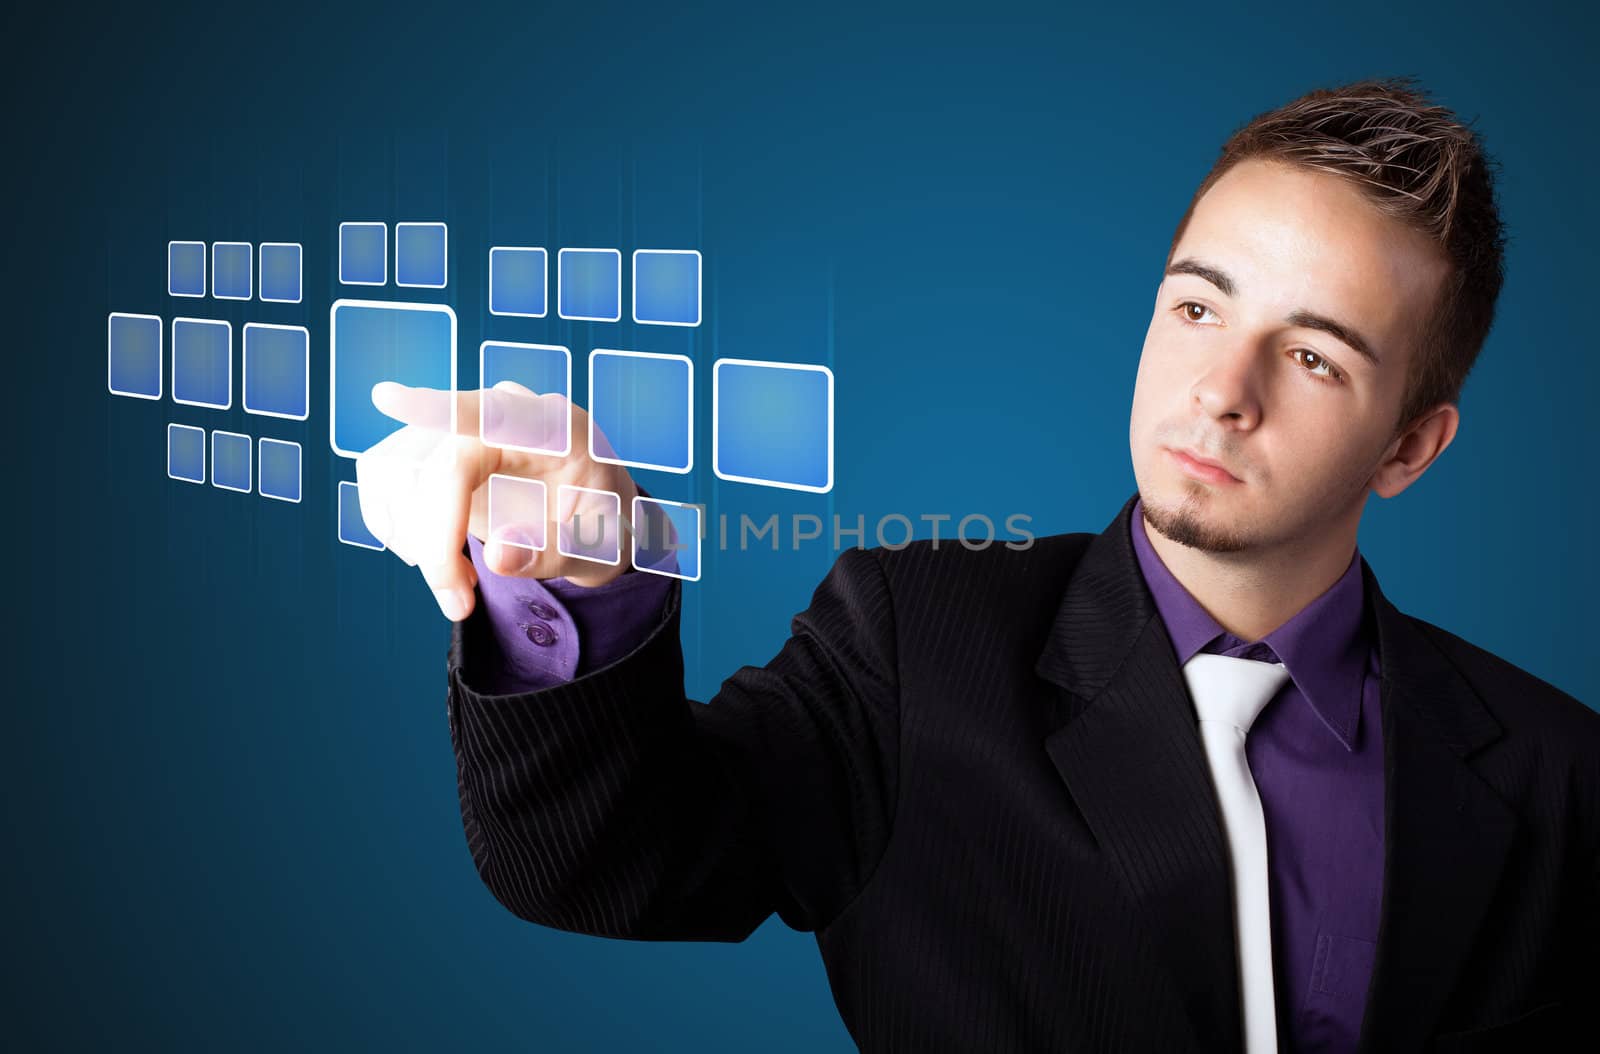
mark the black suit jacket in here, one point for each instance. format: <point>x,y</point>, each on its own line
<point>976,776</point>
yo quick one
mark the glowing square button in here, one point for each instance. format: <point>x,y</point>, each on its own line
<point>421,255</point>
<point>666,287</point>
<point>363,253</point>
<point>589,284</point>
<point>133,355</point>
<point>281,272</point>
<point>186,268</point>
<point>372,341</point>
<point>772,423</point>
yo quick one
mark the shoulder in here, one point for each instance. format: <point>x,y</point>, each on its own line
<point>1020,580</point>
<point>1517,698</point>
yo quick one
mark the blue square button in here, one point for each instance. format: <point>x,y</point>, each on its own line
<point>277,370</point>
<point>133,355</point>
<point>372,341</point>
<point>363,253</point>
<point>186,268</point>
<point>279,473</point>
<point>186,453</point>
<point>589,284</point>
<point>230,461</point>
<point>281,272</point>
<point>641,409</point>
<point>666,287</point>
<point>666,537</point>
<point>518,278</point>
<point>202,362</point>
<point>231,276</point>
<point>352,528</point>
<point>421,255</point>
<point>508,419</point>
<point>772,423</point>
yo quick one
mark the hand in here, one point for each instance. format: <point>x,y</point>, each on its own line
<point>424,488</point>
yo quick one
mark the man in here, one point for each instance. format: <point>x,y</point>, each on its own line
<point>994,783</point>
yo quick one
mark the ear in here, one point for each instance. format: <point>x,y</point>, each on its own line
<point>1410,454</point>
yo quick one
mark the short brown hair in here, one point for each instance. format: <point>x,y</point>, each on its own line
<point>1418,163</point>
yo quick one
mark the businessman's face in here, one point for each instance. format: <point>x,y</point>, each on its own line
<point>1255,360</point>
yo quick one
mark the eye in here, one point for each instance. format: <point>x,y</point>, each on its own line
<point>1194,313</point>
<point>1313,362</point>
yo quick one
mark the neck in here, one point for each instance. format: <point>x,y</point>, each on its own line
<point>1253,592</point>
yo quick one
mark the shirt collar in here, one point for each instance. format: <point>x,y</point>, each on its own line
<point>1324,646</point>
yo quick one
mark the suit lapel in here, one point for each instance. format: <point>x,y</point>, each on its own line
<point>1446,832</point>
<point>1122,737</point>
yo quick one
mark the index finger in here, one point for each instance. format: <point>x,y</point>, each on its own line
<point>428,407</point>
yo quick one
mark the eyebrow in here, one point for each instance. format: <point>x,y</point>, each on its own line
<point>1300,317</point>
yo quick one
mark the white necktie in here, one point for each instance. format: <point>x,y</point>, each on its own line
<point>1228,693</point>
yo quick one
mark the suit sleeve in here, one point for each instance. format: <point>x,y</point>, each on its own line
<point>614,805</point>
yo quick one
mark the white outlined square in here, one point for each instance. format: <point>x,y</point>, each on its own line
<point>200,433</point>
<point>400,230</point>
<point>488,395</point>
<point>249,270</point>
<point>299,272</point>
<point>305,369</point>
<point>203,257</point>
<point>261,470</point>
<point>688,410</point>
<point>568,496</point>
<point>161,346</point>
<point>333,362</point>
<point>716,414</point>
<point>216,479</point>
<point>518,501</point>
<point>639,501</point>
<point>699,285</point>
<point>544,281</point>
<point>383,255</point>
<point>202,322</point>
<point>617,253</point>
<point>350,503</point>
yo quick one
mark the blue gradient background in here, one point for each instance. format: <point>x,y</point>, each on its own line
<point>230,803</point>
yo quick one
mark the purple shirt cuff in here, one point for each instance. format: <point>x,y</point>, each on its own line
<point>548,631</point>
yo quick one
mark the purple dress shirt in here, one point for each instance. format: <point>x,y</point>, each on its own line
<point>548,631</point>
<point>1316,755</point>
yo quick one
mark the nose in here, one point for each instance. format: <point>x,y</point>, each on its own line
<point>1229,388</point>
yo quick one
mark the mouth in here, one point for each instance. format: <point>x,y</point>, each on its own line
<point>1204,469</point>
